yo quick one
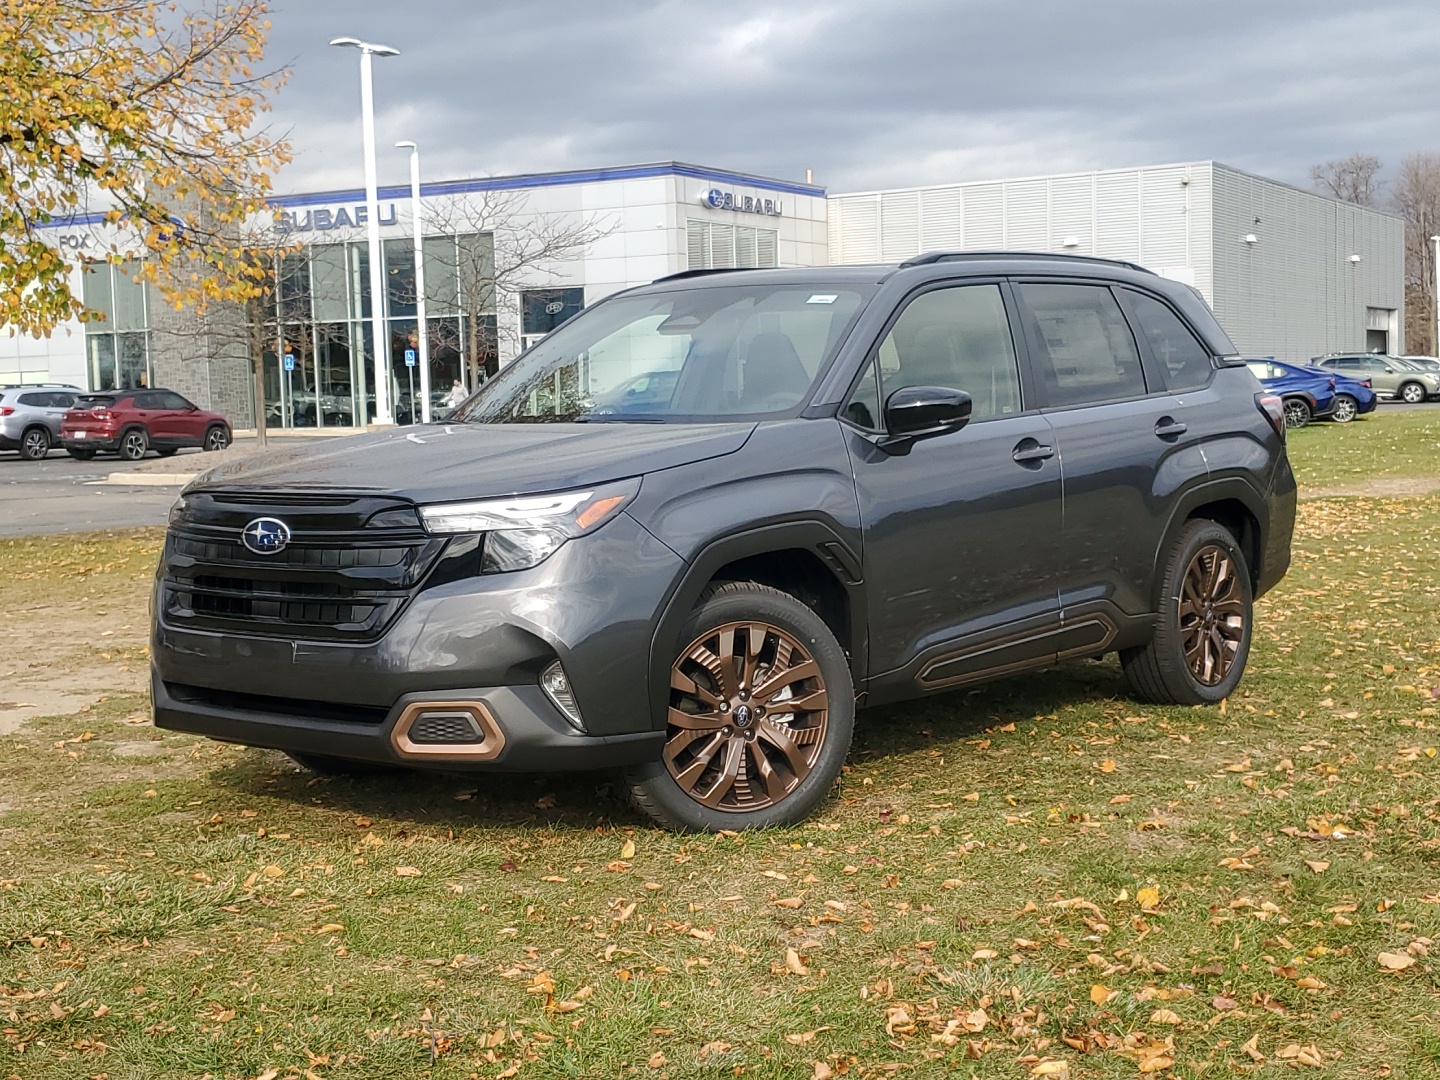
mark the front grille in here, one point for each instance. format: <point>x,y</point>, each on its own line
<point>338,580</point>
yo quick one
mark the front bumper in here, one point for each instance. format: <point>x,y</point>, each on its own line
<point>483,640</point>
<point>533,736</point>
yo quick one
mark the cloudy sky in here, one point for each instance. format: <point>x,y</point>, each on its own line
<point>867,94</point>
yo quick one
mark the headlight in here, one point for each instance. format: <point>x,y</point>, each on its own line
<point>524,531</point>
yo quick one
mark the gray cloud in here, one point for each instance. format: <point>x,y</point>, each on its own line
<point>868,95</point>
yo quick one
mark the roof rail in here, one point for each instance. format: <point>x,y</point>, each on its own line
<point>931,257</point>
<point>683,274</point>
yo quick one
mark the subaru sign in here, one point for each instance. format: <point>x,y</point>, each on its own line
<point>743,204</point>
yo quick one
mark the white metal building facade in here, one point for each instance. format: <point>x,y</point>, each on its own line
<point>1290,274</point>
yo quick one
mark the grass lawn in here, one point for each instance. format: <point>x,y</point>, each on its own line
<point>1037,877</point>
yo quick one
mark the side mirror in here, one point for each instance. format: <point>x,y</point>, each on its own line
<point>922,412</point>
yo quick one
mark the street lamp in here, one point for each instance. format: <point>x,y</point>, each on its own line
<point>372,222</point>
<point>1436,241</point>
<point>422,334</point>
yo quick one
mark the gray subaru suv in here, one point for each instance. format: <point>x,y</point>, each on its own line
<point>852,486</point>
<point>30,417</point>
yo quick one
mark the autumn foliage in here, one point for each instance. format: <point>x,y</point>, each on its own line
<point>146,113</point>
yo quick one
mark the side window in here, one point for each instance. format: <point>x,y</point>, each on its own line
<point>33,400</point>
<point>62,401</point>
<point>863,409</point>
<point>145,401</point>
<point>1185,361</point>
<point>1084,351</point>
<point>171,400</point>
<point>957,338</point>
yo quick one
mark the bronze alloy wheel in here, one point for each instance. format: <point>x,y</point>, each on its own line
<point>747,720</point>
<point>1212,614</point>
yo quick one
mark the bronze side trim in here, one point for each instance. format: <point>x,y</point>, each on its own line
<point>489,747</point>
<point>1102,632</point>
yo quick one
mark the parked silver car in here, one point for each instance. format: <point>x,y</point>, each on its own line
<point>30,417</point>
<point>1391,377</point>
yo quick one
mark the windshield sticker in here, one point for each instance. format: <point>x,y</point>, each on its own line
<point>823,298</point>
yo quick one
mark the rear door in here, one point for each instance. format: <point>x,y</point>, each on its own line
<point>1114,431</point>
<point>150,410</point>
<point>59,403</point>
<point>961,530</point>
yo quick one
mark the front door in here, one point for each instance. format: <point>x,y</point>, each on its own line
<point>961,531</point>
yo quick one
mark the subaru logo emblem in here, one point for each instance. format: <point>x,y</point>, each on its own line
<point>742,716</point>
<point>715,197</point>
<point>266,536</point>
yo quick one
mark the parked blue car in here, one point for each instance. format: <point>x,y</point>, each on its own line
<point>1350,397</point>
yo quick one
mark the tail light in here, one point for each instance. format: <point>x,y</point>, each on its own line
<point>1274,409</point>
<point>1367,384</point>
<point>5,410</point>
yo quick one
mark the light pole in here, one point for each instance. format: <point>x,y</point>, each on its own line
<point>422,330</point>
<point>372,222</point>
<point>1436,241</point>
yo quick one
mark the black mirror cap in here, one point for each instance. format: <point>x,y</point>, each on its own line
<point>918,412</point>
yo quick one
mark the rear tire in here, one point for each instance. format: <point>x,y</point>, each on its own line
<point>1411,393</point>
<point>1297,412</point>
<point>1201,642</point>
<point>1346,409</point>
<point>733,760</point>
<point>133,444</point>
<point>35,444</point>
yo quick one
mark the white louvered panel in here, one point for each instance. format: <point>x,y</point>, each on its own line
<point>1072,213</point>
<point>1027,215</point>
<point>1117,216</point>
<point>722,246</point>
<point>899,226</point>
<point>984,217</point>
<point>942,219</point>
<point>745,246</point>
<point>834,228</point>
<point>766,248</point>
<point>860,236</point>
<point>1163,216</point>
<point>697,237</point>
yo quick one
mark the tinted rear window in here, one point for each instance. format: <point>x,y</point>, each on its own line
<point>94,401</point>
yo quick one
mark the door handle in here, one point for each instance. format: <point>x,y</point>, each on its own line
<point>1168,428</point>
<point>1028,450</point>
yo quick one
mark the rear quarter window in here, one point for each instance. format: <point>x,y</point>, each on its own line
<point>1185,363</point>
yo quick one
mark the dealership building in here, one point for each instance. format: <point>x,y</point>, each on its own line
<point>1290,274</point>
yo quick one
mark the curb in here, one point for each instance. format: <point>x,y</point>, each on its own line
<point>132,479</point>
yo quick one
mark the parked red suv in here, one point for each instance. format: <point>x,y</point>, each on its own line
<point>130,422</point>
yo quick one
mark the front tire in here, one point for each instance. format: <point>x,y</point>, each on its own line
<point>1346,409</point>
<point>1412,393</point>
<point>1297,412</point>
<point>217,438</point>
<point>35,444</point>
<point>1197,653</point>
<point>133,444</point>
<point>761,711</point>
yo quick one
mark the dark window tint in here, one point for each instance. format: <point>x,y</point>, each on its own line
<point>1083,349</point>
<point>1185,361</point>
<point>148,401</point>
<point>95,401</point>
<point>34,400</point>
<point>62,401</point>
<point>957,338</point>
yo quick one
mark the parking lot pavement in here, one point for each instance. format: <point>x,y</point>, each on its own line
<point>62,495</point>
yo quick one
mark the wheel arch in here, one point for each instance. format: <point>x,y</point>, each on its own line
<point>1231,504</point>
<point>806,559</point>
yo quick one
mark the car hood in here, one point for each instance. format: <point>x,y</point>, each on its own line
<point>449,462</point>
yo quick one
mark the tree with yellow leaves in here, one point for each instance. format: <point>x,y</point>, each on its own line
<point>143,112</point>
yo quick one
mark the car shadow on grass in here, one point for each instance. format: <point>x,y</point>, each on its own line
<point>590,800</point>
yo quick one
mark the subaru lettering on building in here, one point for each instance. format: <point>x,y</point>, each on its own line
<point>745,204</point>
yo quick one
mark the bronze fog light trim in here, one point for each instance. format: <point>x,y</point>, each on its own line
<point>491,742</point>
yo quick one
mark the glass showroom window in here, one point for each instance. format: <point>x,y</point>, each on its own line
<point>118,347</point>
<point>715,246</point>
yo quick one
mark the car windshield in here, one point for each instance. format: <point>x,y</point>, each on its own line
<point>683,355</point>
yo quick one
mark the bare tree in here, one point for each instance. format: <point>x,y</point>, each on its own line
<point>1353,179</point>
<point>1415,196</point>
<point>503,248</point>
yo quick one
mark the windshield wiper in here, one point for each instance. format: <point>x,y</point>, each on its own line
<point>618,418</point>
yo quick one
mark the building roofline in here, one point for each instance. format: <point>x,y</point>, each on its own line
<point>555,179</point>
